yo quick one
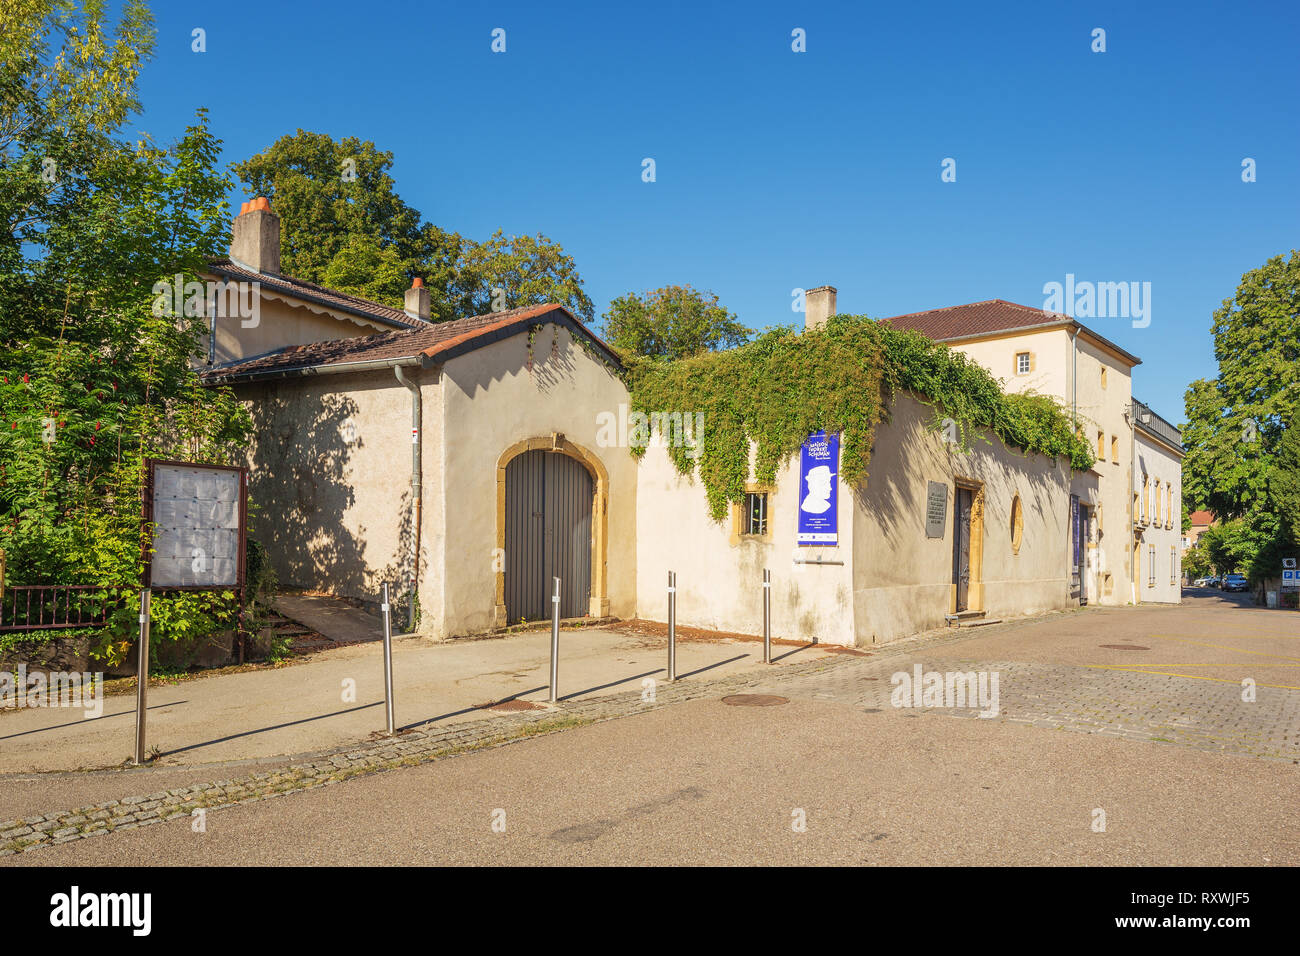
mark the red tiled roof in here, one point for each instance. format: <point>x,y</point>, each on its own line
<point>975,318</point>
<point>300,288</point>
<point>431,344</point>
<point>1201,517</point>
<point>987,318</point>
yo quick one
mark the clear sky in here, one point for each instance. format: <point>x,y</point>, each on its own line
<point>776,169</point>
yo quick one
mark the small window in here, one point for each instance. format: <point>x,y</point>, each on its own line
<point>755,518</point>
<point>1151,565</point>
<point>1017,524</point>
<point>1022,363</point>
<point>1101,446</point>
<point>1114,448</point>
<point>1103,376</point>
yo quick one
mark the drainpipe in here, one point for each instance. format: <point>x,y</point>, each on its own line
<point>1130,416</point>
<point>415,489</point>
<point>1074,379</point>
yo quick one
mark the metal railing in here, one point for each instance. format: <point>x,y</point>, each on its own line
<point>1145,418</point>
<point>41,607</point>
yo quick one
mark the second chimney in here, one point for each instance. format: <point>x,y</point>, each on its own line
<point>417,301</point>
<point>818,306</point>
<point>255,237</point>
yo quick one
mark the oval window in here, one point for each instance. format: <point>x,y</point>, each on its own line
<point>1017,524</point>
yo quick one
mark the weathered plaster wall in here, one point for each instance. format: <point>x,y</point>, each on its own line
<point>903,580</point>
<point>493,399</point>
<point>331,481</point>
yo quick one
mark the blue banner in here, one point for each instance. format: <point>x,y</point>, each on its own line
<point>819,466</point>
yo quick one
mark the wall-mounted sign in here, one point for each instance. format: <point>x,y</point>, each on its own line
<point>936,509</point>
<point>198,516</point>
<point>819,466</point>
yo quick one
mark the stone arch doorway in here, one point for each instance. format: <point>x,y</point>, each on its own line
<point>551,517</point>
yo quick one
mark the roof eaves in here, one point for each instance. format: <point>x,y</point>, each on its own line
<point>287,286</point>
<point>305,371</point>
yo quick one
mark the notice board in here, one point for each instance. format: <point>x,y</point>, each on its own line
<point>197,518</point>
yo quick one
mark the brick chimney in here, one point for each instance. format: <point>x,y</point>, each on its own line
<point>819,305</point>
<point>417,301</point>
<point>255,237</point>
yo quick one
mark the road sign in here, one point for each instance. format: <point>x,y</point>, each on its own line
<point>1288,562</point>
<point>1290,579</point>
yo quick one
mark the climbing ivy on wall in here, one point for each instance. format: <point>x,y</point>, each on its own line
<point>786,384</point>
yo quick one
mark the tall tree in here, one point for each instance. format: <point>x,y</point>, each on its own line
<point>341,217</point>
<point>673,322</point>
<point>1235,422</point>
<point>93,376</point>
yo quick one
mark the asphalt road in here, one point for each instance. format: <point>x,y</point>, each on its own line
<point>824,779</point>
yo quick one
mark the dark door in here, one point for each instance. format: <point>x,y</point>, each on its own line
<point>1085,536</point>
<point>1076,549</point>
<point>548,535</point>
<point>961,546</point>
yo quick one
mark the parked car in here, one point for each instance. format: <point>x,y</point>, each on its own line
<point>1201,583</point>
<point>1235,582</point>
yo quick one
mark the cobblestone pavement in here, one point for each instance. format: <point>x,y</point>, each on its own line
<point>1116,703</point>
<point>1205,715</point>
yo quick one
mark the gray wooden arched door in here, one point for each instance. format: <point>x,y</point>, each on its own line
<point>548,534</point>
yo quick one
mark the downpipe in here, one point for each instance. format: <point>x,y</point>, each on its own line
<point>416,429</point>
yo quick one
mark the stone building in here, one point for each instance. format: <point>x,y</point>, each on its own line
<point>470,462</point>
<point>1047,353</point>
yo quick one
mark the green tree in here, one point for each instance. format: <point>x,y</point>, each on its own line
<point>326,193</point>
<point>340,214</point>
<point>1284,486</point>
<point>93,377</point>
<point>527,270</point>
<point>1235,422</point>
<point>364,268</point>
<point>674,322</point>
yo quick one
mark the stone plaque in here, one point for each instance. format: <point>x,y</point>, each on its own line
<point>936,510</point>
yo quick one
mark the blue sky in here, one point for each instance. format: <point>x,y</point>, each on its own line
<point>776,169</point>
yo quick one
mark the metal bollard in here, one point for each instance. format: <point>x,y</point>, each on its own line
<point>142,674</point>
<point>672,625</point>
<point>388,663</point>
<point>767,616</point>
<point>555,640</point>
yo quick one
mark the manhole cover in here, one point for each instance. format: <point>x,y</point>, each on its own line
<point>755,700</point>
<point>1124,647</point>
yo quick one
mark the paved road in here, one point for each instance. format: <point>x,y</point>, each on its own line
<point>1184,770</point>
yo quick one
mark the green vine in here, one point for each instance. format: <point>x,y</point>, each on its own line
<point>786,384</point>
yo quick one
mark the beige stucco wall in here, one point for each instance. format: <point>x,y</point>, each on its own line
<point>1161,523</point>
<point>331,481</point>
<point>720,576</point>
<point>903,580</point>
<point>1048,349</point>
<point>493,400</point>
<point>1076,381</point>
<point>890,580</point>
<point>280,323</point>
